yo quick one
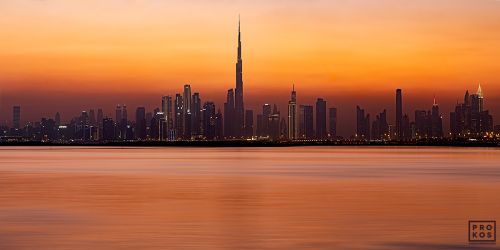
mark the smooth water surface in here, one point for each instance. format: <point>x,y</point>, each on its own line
<point>245,198</point>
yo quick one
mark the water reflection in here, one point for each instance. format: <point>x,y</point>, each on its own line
<point>245,198</point>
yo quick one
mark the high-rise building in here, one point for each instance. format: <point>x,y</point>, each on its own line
<point>293,129</point>
<point>209,121</point>
<point>219,126</point>
<point>179,117</point>
<point>187,111</point>
<point>108,129</point>
<point>239,107</point>
<point>57,119</point>
<point>248,123</point>
<point>16,117</point>
<point>92,119</point>
<point>428,124</point>
<point>436,121</point>
<point>321,119</point>
<point>140,123</point>
<point>229,115</point>
<point>274,124</point>
<point>380,127</point>
<point>333,122</point>
<point>306,121</point>
<point>166,108</point>
<point>399,113</point>
<point>362,124</point>
<point>196,115</point>
<point>100,117</point>
<point>469,118</point>
<point>266,112</point>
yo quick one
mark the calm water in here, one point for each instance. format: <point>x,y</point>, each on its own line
<point>245,198</point>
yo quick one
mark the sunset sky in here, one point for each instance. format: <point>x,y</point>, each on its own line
<point>73,55</point>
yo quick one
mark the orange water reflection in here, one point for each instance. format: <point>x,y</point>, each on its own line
<point>245,198</point>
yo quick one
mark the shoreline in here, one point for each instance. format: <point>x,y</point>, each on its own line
<point>243,143</point>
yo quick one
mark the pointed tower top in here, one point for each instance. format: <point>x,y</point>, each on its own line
<point>435,103</point>
<point>479,91</point>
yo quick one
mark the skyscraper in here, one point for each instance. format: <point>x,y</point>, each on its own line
<point>470,119</point>
<point>209,121</point>
<point>57,119</point>
<point>100,117</point>
<point>166,108</point>
<point>266,112</point>
<point>187,111</point>
<point>320,119</point>
<point>196,115</point>
<point>306,121</point>
<point>292,116</point>
<point>239,103</point>
<point>229,117</point>
<point>179,118</point>
<point>248,123</point>
<point>16,117</point>
<point>399,113</point>
<point>92,119</point>
<point>140,123</point>
<point>362,124</point>
<point>333,122</point>
<point>436,121</point>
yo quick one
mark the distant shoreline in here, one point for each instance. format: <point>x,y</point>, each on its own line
<point>242,143</point>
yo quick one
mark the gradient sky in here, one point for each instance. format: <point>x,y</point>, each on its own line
<point>67,56</point>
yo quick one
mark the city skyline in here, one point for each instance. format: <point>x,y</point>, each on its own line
<point>43,97</point>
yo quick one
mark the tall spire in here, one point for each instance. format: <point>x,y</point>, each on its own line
<point>239,38</point>
<point>238,91</point>
<point>479,91</point>
<point>434,103</point>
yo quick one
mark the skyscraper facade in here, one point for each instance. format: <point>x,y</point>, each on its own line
<point>179,117</point>
<point>196,115</point>
<point>292,116</point>
<point>239,107</point>
<point>186,110</point>
<point>333,122</point>
<point>320,119</point>
<point>140,123</point>
<point>399,113</point>
<point>16,117</point>
<point>306,121</point>
<point>229,115</point>
<point>166,108</point>
<point>248,123</point>
<point>362,124</point>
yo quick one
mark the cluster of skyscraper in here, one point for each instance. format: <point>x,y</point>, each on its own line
<point>186,117</point>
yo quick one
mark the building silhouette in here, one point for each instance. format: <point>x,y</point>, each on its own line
<point>399,114</point>
<point>196,115</point>
<point>333,122</point>
<point>362,124</point>
<point>469,118</point>
<point>179,117</point>
<point>209,121</point>
<point>166,109</point>
<point>306,121</point>
<point>249,123</point>
<point>321,119</point>
<point>229,113</point>
<point>239,107</point>
<point>293,129</point>
<point>380,127</point>
<point>140,123</point>
<point>16,117</point>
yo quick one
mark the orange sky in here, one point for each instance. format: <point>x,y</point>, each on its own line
<point>60,55</point>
